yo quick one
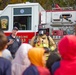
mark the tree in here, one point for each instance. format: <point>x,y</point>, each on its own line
<point>46,4</point>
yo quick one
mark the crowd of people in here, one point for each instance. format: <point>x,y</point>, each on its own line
<point>17,58</point>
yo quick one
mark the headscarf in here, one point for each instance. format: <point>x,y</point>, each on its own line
<point>35,55</point>
<point>21,61</point>
<point>67,49</point>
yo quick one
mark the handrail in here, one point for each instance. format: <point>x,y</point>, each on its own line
<point>63,8</point>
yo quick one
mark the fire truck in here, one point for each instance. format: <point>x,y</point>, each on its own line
<point>30,17</point>
<point>25,16</point>
<point>59,22</point>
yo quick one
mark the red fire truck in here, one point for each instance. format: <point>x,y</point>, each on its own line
<point>59,22</point>
<point>25,16</point>
<point>28,17</point>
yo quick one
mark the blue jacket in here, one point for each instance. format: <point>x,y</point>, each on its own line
<point>5,66</point>
<point>54,67</point>
<point>31,70</point>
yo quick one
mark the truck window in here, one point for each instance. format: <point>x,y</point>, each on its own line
<point>22,22</point>
<point>4,22</point>
<point>22,18</point>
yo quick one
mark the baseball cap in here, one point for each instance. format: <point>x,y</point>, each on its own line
<point>15,28</point>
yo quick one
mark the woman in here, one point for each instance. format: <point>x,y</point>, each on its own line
<point>21,61</point>
<point>37,59</point>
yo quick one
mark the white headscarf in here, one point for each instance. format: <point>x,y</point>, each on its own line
<point>21,61</point>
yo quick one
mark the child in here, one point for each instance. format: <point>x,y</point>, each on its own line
<point>7,54</point>
<point>67,50</point>
<point>5,65</point>
<point>53,57</point>
<point>21,61</point>
<point>37,59</point>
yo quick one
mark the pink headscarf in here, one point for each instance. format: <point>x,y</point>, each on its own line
<point>21,61</point>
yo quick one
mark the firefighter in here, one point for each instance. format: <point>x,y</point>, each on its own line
<point>43,40</point>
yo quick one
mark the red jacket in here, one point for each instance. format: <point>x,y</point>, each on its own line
<point>43,71</point>
<point>67,49</point>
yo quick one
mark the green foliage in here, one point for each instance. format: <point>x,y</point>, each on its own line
<point>46,4</point>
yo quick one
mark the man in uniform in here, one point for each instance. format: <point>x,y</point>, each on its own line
<point>43,40</point>
<point>13,42</point>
